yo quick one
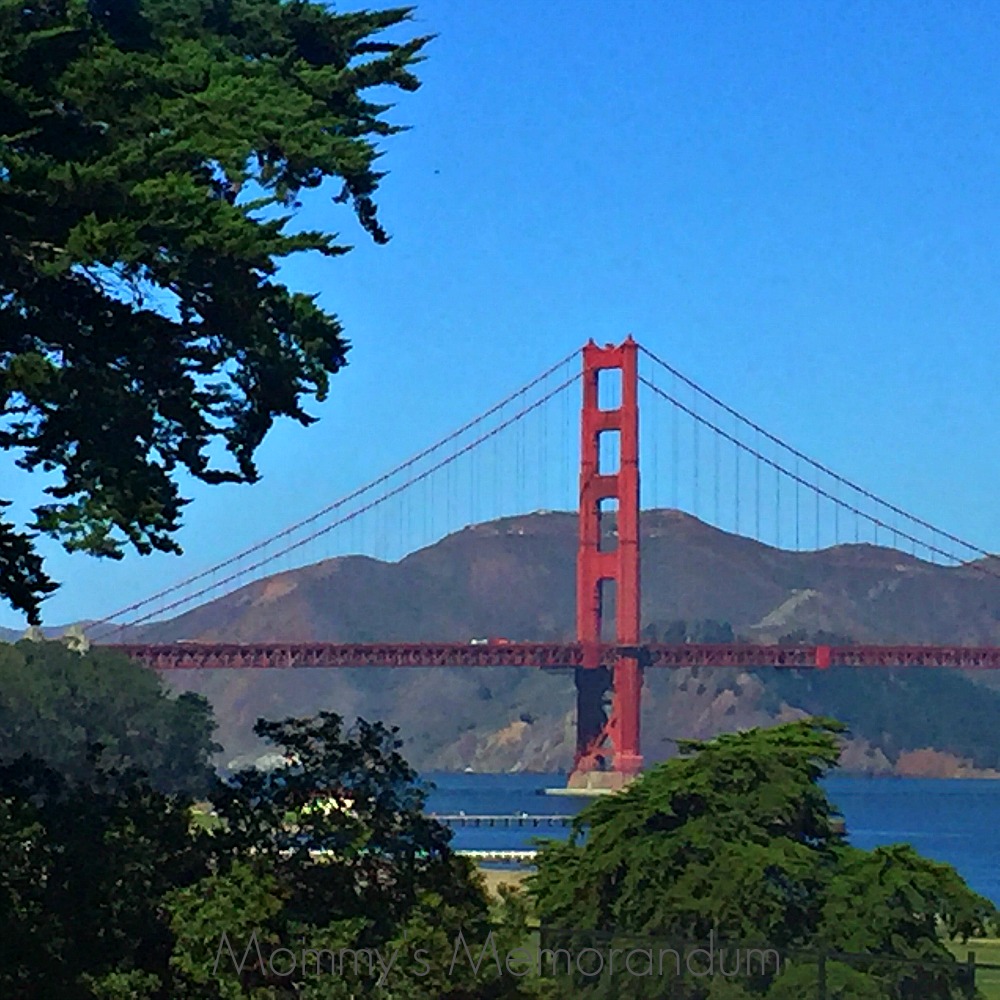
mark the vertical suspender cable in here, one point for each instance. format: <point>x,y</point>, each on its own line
<point>450,527</point>
<point>434,510</point>
<point>656,453</point>
<point>736,476</point>
<point>836,513</point>
<point>697,463</point>
<point>718,516</point>
<point>567,479</point>
<point>797,545</point>
<point>419,539</point>
<point>675,417</point>
<point>543,478</point>
<point>816,535</point>
<point>521,455</point>
<point>757,487</point>
<point>777,508</point>
<point>497,479</point>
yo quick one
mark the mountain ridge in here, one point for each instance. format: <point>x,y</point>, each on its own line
<point>515,577</point>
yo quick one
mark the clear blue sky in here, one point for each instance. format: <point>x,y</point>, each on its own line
<point>797,204</point>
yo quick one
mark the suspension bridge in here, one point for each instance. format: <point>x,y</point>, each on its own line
<point>703,456</point>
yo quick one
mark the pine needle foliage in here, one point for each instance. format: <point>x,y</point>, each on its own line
<point>736,841</point>
<point>731,836</point>
<point>152,158</point>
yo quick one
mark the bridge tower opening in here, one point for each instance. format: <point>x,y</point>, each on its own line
<point>608,700</point>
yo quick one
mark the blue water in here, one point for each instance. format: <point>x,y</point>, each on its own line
<point>955,821</point>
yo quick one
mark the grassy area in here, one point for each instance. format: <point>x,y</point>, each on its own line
<point>203,818</point>
<point>986,950</point>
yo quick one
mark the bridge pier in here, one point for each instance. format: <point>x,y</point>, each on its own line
<point>593,689</point>
<point>608,751</point>
<point>627,708</point>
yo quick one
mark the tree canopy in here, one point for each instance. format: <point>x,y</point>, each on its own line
<point>324,877</point>
<point>152,154</point>
<point>85,715</point>
<point>310,880</point>
<point>736,841</point>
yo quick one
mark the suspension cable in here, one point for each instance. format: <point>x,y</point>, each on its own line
<point>336,504</point>
<point>782,470</point>
<point>816,465</point>
<point>419,477</point>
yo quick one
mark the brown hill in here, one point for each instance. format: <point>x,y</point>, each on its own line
<point>515,577</point>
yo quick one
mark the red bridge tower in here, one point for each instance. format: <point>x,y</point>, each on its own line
<point>607,749</point>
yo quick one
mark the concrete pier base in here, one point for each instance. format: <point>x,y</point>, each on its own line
<point>590,784</point>
<point>611,781</point>
<point>576,793</point>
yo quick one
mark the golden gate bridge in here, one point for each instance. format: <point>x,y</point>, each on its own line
<point>770,485</point>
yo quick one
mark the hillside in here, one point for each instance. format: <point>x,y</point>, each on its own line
<point>515,578</point>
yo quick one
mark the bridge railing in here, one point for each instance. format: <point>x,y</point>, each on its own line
<point>546,655</point>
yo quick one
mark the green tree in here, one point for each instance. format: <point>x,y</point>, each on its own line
<point>356,864</point>
<point>92,713</point>
<point>152,153</point>
<point>735,841</point>
<point>86,867</point>
<point>109,891</point>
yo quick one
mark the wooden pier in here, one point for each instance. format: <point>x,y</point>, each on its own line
<point>504,820</point>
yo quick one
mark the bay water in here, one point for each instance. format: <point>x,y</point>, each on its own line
<point>956,821</point>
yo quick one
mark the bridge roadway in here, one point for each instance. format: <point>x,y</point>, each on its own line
<point>546,655</point>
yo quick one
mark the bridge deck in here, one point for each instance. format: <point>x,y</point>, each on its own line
<point>551,656</point>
